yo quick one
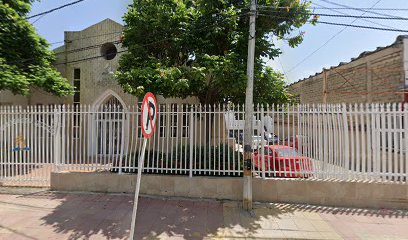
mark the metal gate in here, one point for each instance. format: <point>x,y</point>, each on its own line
<point>27,145</point>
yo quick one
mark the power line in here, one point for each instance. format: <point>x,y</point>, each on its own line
<point>283,69</point>
<point>38,19</point>
<point>327,42</point>
<point>336,8</point>
<point>342,24</point>
<point>365,20</point>
<point>356,9</point>
<point>89,58</point>
<point>142,45</point>
<point>54,9</point>
<point>75,39</point>
<point>145,45</point>
<point>353,16</point>
<point>365,27</point>
<point>86,48</point>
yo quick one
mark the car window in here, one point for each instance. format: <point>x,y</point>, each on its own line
<point>287,152</point>
<point>268,151</point>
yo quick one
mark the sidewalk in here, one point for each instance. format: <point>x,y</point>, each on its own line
<point>40,214</point>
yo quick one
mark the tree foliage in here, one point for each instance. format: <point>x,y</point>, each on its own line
<point>180,48</point>
<point>25,60</point>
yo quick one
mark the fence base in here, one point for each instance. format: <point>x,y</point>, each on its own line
<point>315,192</point>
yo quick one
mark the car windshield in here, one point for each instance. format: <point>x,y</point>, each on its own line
<point>287,152</point>
<point>270,135</point>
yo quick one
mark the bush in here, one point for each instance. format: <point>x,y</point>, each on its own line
<point>216,158</point>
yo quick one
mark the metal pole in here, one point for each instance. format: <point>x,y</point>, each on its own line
<point>247,198</point>
<point>139,177</point>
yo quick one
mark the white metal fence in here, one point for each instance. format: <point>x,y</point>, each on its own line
<point>363,142</point>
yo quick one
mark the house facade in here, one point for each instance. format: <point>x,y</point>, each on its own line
<point>379,76</point>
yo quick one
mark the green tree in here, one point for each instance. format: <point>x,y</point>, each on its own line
<point>25,60</point>
<point>180,48</point>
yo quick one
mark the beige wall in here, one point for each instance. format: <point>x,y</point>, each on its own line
<point>8,98</point>
<point>372,77</point>
<point>319,192</point>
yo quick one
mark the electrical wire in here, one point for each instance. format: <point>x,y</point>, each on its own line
<point>342,24</point>
<point>364,27</point>
<point>86,48</point>
<point>143,45</point>
<point>360,10</point>
<point>336,8</point>
<point>348,16</point>
<point>147,44</point>
<point>365,20</point>
<point>327,42</point>
<point>54,9</point>
<point>75,39</point>
<point>37,19</point>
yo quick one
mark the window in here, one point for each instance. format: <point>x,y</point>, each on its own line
<point>162,120</point>
<point>173,120</point>
<point>268,151</point>
<point>186,121</point>
<point>287,152</point>
<point>109,51</point>
<point>76,118</point>
<point>77,85</point>
<point>77,73</point>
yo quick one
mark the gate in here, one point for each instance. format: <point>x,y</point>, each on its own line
<point>27,145</point>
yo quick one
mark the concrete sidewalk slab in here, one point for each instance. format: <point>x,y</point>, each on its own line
<point>41,214</point>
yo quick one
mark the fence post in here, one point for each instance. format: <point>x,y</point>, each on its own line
<point>262,142</point>
<point>122,142</point>
<point>191,139</point>
<point>57,138</point>
<point>346,139</point>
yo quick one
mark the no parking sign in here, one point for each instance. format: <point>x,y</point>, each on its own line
<point>148,115</point>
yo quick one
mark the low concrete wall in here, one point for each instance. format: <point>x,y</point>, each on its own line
<point>318,192</point>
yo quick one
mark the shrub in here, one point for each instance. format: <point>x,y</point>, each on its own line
<point>218,158</point>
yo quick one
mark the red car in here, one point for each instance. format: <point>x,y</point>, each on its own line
<point>296,141</point>
<point>283,161</point>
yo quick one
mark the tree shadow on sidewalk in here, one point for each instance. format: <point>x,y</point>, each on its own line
<point>82,216</point>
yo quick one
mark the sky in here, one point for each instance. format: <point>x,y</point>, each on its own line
<point>296,63</point>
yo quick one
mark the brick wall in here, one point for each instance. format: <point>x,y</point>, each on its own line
<point>372,77</point>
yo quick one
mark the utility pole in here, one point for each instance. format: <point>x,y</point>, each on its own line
<point>248,131</point>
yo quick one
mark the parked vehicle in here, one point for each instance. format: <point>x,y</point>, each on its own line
<point>283,161</point>
<point>270,139</point>
<point>293,141</point>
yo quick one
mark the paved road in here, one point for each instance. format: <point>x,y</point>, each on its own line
<point>40,214</point>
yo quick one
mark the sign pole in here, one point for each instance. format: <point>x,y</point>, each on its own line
<point>148,116</point>
<point>139,177</point>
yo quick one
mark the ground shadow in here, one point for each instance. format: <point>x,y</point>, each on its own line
<point>108,216</point>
